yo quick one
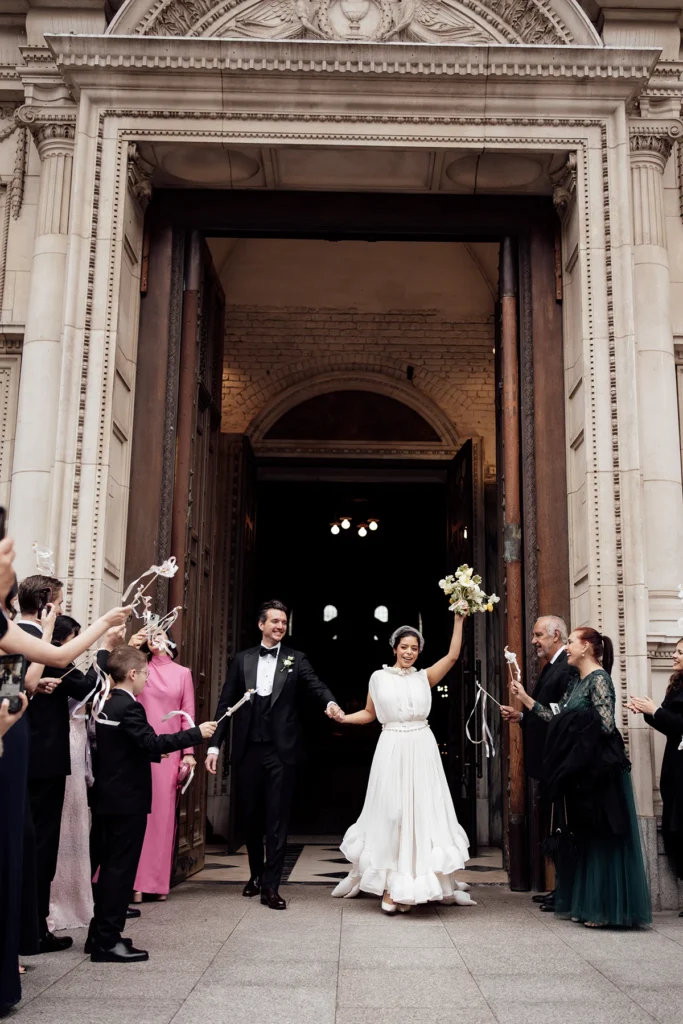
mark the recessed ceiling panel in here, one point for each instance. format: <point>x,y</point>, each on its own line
<point>380,169</point>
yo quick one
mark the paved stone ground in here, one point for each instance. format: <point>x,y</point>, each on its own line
<point>217,958</point>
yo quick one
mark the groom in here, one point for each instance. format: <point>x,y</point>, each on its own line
<point>267,744</point>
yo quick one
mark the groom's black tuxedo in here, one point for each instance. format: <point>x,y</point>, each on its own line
<point>292,681</point>
<point>267,744</point>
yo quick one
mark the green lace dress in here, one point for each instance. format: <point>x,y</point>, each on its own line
<point>606,882</point>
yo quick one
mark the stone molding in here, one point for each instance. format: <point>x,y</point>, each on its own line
<point>322,57</point>
<point>651,143</point>
<point>53,131</point>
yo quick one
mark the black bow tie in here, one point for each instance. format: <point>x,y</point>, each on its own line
<point>268,650</point>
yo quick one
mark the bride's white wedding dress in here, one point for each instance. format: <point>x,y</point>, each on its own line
<point>407,840</point>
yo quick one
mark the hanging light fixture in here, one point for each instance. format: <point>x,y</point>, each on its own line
<point>373,524</point>
<point>345,523</point>
<point>363,530</point>
<point>335,528</point>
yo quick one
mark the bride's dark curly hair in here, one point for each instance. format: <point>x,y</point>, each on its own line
<point>675,680</point>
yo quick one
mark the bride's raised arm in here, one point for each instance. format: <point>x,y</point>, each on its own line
<point>361,717</point>
<point>439,669</point>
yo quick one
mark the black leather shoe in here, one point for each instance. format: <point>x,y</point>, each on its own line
<point>132,912</point>
<point>252,888</point>
<point>51,943</point>
<point>121,953</point>
<point>272,898</point>
<point>548,908</point>
<point>541,898</point>
<point>88,947</point>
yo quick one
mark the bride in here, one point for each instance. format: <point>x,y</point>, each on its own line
<point>407,843</point>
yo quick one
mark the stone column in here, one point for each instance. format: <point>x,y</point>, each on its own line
<point>660,459</point>
<point>34,450</point>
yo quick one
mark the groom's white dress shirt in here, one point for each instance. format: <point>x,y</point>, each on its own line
<point>265,678</point>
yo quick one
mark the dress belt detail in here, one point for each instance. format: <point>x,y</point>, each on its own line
<point>405,726</point>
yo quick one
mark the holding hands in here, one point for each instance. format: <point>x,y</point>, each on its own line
<point>335,712</point>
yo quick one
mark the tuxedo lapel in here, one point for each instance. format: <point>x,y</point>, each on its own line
<point>281,673</point>
<point>251,668</point>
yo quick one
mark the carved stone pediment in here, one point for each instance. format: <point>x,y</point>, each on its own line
<point>468,22</point>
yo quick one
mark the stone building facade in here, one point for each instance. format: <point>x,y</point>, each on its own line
<point>488,107</point>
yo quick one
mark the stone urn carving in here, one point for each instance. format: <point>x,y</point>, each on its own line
<point>354,11</point>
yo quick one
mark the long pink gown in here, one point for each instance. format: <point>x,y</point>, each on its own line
<point>168,688</point>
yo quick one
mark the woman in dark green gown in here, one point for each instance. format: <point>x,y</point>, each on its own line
<point>603,882</point>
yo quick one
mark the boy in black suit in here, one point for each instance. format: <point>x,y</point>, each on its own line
<point>122,799</point>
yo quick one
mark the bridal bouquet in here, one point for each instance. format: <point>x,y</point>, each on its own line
<point>464,592</point>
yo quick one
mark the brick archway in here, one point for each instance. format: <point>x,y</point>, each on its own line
<point>346,379</point>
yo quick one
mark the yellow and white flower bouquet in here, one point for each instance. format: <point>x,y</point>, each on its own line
<point>464,592</point>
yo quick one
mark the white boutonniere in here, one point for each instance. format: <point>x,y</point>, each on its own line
<point>287,663</point>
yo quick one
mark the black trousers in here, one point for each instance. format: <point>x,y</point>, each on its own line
<point>47,802</point>
<point>120,838</point>
<point>266,788</point>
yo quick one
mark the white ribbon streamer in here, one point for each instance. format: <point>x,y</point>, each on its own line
<point>231,711</point>
<point>167,570</point>
<point>486,737</point>
<point>99,696</point>
<point>45,562</point>
<point>187,716</point>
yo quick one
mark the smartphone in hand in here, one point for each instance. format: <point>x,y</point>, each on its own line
<point>12,674</point>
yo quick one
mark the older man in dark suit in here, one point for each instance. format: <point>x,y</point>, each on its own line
<point>549,640</point>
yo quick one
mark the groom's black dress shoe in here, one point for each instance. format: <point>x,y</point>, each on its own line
<point>88,947</point>
<point>121,953</point>
<point>272,898</point>
<point>542,897</point>
<point>132,912</point>
<point>548,907</point>
<point>50,943</point>
<point>252,888</point>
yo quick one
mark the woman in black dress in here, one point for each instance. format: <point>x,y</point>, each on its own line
<point>668,719</point>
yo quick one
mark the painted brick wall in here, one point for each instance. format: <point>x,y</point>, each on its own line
<point>269,349</point>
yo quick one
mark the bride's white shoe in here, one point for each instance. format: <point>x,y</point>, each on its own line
<point>389,908</point>
<point>463,886</point>
<point>462,899</point>
<point>403,908</point>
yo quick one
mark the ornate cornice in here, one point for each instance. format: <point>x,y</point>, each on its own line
<point>135,54</point>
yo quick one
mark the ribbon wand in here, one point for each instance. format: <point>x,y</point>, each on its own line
<point>231,711</point>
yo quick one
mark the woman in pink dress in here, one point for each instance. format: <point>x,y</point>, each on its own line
<point>169,687</point>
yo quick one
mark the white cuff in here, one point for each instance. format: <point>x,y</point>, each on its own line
<point>331,703</point>
<point>213,750</point>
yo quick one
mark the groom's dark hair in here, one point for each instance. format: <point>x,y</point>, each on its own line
<point>276,606</point>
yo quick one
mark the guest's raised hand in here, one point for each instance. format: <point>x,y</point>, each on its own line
<point>113,638</point>
<point>210,763</point>
<point>48,617</point>
<point>7,720</point>
<point>517,690</point>
<point>117,616</point>
<point>207,729</point>
<point>138,639</point>
<point>510,714</point>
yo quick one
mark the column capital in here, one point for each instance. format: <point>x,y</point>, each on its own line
<point>651,140</point>
<point>53,130</point>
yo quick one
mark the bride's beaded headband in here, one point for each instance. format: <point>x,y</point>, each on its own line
<point>406,631</point>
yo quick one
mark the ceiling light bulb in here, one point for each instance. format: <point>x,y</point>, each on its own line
<point>346,523</point>
<point>362,531</point>
<point>373,524</point>
<point>464,533</point>
<point>334,528</point>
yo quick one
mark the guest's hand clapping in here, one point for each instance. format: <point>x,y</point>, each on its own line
<point>7,720</point>
<point>207,729</point>
<point>641,705</point>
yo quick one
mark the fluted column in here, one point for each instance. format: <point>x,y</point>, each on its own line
<point>656,376</point>
<point>34,451</point>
